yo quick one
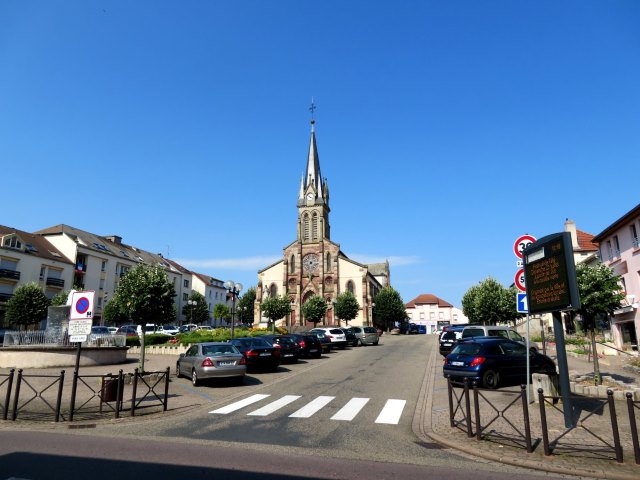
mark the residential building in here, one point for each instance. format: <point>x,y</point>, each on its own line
<point>433,312</point>
<point>214,292</point>
<point>313,264</point>
<point>620,250</point>
<point>25,258</point>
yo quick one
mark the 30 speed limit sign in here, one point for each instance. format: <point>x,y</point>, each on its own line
<point>521,243</point>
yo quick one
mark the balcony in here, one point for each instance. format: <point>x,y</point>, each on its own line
<point>10,274</point>
<point>55,282</point>
<point>5,296</point>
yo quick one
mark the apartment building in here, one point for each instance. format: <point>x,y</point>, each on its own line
<point>214,293</point>
<point>427,309</point>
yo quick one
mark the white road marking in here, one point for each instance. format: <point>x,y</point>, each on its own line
<point>241,404</point>
<point>273,406</point>
<point>351,409</point>
<point>391,412</point>
<point>312,407</point>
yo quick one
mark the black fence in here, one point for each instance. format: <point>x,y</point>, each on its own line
<point>42,397</point>
<point>598,430</point>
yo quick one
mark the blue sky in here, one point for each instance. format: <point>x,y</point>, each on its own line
<point>445,129</point>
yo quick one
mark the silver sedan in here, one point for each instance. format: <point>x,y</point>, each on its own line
<point>211,360</point>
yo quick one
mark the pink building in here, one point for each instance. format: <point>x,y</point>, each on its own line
<point>620,250</point>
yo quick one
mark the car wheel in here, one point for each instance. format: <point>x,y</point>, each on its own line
<point>177,369</point>
<point>375,343</point>
<point>194,378</point>
<point>490,379</point>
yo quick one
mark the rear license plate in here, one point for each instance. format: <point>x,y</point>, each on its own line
<point>226,363</point>
<point>313,350</point>
<point>457,364</point>
<point>448,344</point>
<point>265,354</point>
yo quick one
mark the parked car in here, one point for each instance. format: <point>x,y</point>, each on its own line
<point>186,328</point>
<point>167,329</point>
<point>208,360</point>
<point>413,329</point>
<point>204,327</point>
<point>258,353</point>
<point>448,340</point>
<point>494,331</point>
<point>422,329</point>
<point>112,330</point>
<point>289,350</point>
<point>366,335</point>
<point>326,344</point>
<point>128,330</point>
<point>352,340</point>
<point>337,336</point>
<point>494,361</point>
<point>97,332</point>
<point>309,346</point>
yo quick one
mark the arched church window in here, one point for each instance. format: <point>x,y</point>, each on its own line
<point>350,287</point>
<point>328,265</point>
<point>305,227</point>
<point>314,225</point>
<point>292,264</point>
<point>273,290</point>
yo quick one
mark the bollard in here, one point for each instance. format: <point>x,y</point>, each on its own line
<point>525,412</point>
<point>14,414</point>
<point>634,427</point>
<point>59,400</point>
<point>450,391</point>
<point>467,403</point>
<point>5,413</point>
<point>166,388</point>
<point>476,407</point>
<point>614,426</point>
<point>543,422</point>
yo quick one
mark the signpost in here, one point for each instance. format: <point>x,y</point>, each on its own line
<point>80,321</point>
<point>521,303</point>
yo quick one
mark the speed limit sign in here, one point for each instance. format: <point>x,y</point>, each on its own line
<point>519,280</point>
<point>521,243</point>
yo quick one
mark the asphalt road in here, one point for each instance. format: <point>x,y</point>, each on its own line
<point>366,401</point>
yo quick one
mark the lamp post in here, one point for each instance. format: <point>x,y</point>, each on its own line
<point>192,303</point>
<point>234,289</point>
<point>373,305</point>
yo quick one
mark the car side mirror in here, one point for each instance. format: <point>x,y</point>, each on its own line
<point>182,355</point>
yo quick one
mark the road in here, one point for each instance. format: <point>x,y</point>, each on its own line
<point>349,415</point>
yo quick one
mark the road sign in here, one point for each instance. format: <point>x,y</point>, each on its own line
<point>521,243</point>
<point>82,305</point>
<point>77,338</point>
<point>80,327</point>
<point>519,280</point>
<point>521,303</point>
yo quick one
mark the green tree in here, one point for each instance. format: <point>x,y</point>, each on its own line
<point>600,294</point>
<point>489,303</point>
<point>314,309</point>
<point>147,296</point>
<point>113,313</point>
<point>274,308</point>
<point>222,312</point>
<point>60,298</point>
<point>245,306</point>
<point>346,307</point>
<point>27,306</point>
<point>389,308</point>
<point>198,313</point>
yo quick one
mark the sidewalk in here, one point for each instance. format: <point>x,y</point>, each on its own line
<point>577,451</point>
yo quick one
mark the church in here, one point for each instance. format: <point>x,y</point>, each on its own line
<point>315,265</point>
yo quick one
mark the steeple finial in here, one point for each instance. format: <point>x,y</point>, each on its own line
<point>312,108</point>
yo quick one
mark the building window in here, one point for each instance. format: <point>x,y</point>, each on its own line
<point>609,250</point>
<point>104,266</point>
<point>43,271</point>
<point>185,297</point>
<point>186,284</point>
<point>292,264</point>
<point>101,284</point>
<point>273,290</point>
<point>634,236</point>
<point>314,225</point>
<point>350,286</point>
<point>328,266</point>
<point>616,245</point>
<point>432,315</point>
<point>441,315</point>
<point>12,242</point>
<point>305,227</point>
<point>421,315</point>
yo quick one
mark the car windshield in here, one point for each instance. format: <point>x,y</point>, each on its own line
<point>450,336</point>
<point>467,349</point>
<point>336,331</point>
<point>285,341</point>
<point>218,349</point>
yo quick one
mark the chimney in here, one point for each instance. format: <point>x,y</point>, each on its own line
<point>570,226</point>
<point>114,239</point>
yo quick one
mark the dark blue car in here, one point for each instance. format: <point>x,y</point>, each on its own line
<point>493,361</point>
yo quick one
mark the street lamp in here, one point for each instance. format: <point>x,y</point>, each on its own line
<point>192,303</point>
<point>234,289</point>
<point>373,305</point>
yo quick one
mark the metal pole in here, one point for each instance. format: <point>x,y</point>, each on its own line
<point>525,411</point>
<point>634,427</point>
<point>614,426</point>
<point>543,423</point>
<point>233,311</point>
<point>59,399</point>
<point>528,359</point>
<point>8,397</point>
<point>563,370</point>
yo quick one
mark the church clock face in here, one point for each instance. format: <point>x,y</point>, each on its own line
<point>310,263</point>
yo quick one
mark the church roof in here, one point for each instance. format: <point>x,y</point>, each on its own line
<point>427,299</point>
<point>379,268</point>
<point>312,175</point>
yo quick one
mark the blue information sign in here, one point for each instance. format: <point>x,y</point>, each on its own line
<point>521,303</point>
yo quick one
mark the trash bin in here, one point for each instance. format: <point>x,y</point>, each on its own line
<point>109,390</point>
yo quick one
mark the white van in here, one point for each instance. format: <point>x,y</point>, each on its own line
<point>494,331</point>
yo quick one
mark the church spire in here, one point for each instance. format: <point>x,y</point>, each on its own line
<point>312,175</point>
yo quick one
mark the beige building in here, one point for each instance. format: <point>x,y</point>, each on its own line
<point>315,265</point>
<point>433,312</point>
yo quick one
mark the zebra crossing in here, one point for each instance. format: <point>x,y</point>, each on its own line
<point>390,413</point>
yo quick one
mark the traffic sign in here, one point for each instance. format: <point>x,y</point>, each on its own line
<point>521,303</point>
<point>80,327</point>
<point>82,305</point>
<point>519,280</point>
<point>521,243</point>
<point>77,338</point>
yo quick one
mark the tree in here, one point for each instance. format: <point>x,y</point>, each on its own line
<point>222,312</point>
<point>245,306</point>
<point>113,313</point>
<point>198,313</point>
<point>346,307</point>
<point>600,294</point>
<point>314,309</point>
<point>60,298</point>
<point>146,296</point>
<point>389,308</point>
<point>27,306</point>
<point>489,303</point>
<point>275,308</point>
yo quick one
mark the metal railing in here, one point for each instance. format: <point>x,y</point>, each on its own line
<point>44,337</point>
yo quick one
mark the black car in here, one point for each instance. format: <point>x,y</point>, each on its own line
<point>323,339</point>
<point>258,353</point>
<point>494,361</point>
<point>448,340</point>
<point>309,346</point>
<point>352,339</point>
<point>289,350</point>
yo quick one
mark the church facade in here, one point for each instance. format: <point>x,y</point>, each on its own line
<point>315,265</point>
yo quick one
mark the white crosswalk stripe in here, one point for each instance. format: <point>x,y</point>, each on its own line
<point>390,413</point>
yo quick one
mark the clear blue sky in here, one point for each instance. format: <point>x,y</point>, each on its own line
<point>445,129</point>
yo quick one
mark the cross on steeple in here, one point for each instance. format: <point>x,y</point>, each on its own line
<point>312,108</point>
